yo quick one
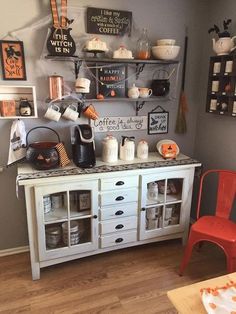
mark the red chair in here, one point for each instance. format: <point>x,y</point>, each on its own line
<point>218,229</point>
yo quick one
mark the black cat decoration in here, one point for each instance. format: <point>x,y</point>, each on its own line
<point>60,41</point>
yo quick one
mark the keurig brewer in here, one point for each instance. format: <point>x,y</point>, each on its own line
<point>83,148</point>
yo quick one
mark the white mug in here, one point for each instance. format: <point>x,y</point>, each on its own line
<point>229,66</point>
<point>53,113</point>
<point>82,85</point>
<point>213,104</point>
<point>216,67</point>
<point>71,113</point>
<point>56,201</point>
<point>215,86</point>
<point>145,92</point>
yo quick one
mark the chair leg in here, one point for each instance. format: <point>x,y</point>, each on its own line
<point>186,257</point>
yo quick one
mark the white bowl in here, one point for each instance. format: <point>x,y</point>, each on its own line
<point>166,42</point>
<point>165,52</point>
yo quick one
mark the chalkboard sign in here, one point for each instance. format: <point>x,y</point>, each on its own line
<point>111,80</point>
<point>108,22</point>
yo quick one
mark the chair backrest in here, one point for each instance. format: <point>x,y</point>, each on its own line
<point>226,192</point>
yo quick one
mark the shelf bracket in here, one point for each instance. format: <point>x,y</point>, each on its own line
<point>139,106</point>
<point>77,64</point>
<point>139,69</point>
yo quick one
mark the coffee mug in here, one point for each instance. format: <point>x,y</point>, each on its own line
<point>82,85</point>
<point>53,113</point>
<point>71,113</point>
<point>145,92</point>
<point>56,201</point>
<point>90,112</point>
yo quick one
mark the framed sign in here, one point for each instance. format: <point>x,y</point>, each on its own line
<point>111,80</point>
<point>158,122</point>
<point>13,60</point>
<point>108,22</point>
<point>84,200</point>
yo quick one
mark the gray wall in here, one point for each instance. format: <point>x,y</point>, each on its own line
<point>163,19</point>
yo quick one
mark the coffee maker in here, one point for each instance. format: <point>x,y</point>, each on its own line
<point>83,147</point>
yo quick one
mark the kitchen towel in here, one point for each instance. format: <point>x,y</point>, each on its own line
<point>17,145</point>
<point>63,158</point>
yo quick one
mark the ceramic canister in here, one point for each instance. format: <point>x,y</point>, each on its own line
<point>142,150</point>
<point>109,149</point>
<point>127,149</point>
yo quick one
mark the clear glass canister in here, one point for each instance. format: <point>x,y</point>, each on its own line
<point>53,236</point>
<point>74,233</point>
<point>153,191</point>
<point>143,46</point>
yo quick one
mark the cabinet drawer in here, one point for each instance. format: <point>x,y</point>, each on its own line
<point>117,239</point>
<point>119,197</point>
<point>119,211</point>
<point>116,183</point>
<point>118,225</point>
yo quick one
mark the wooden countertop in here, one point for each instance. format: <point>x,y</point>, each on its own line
<point>187,299</point>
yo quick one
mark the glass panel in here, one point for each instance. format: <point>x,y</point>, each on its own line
<point>55,206</point>
<point>53,236</point>
<point>80,232</point>
<point>154,217</point>
<point>172,215</point>
<point>174,190</point>
<point>80,203</point>
<point>155,192</point>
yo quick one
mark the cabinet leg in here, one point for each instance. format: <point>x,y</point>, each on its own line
<point>35,271</point>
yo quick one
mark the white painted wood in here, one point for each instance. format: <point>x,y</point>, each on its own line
<point>13,251</point>
<point>119,183</point>
<point>113,212</point>
<point>118,225</point>
<point>116,239</point>
<point>119,197</point>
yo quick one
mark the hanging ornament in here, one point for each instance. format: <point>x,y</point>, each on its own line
<point>60,42</point>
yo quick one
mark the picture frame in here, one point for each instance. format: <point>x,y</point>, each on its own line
<point>12,60</point>
<point>158,122</point>
<point>84,200</point>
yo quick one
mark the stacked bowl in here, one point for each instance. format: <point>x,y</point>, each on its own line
<point>165,49</point>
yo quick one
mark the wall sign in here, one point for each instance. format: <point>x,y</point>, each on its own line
<point>111,80</point>
<point>158,122</point>
<point>13,60</point>
<point>115,124</point>
<point>108,22</point>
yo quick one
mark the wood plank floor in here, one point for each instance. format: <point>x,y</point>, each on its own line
<point>133,280</point>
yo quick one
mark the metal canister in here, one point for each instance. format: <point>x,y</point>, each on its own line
<point>56,87</point>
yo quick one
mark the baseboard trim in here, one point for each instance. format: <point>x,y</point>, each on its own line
<point>16,250</point>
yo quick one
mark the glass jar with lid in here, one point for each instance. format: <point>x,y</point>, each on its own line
<point>153,191</point>
<point>143,46</point>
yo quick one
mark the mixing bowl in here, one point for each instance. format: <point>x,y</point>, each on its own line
<point>166,52</point>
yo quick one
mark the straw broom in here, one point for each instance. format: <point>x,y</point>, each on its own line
<point>181,125</point>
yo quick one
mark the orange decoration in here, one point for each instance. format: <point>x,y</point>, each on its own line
<point>100,96</point>
<point>113,93</point>
<point>212,305</point>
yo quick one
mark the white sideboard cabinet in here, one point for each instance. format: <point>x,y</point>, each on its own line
<point>73,213</point>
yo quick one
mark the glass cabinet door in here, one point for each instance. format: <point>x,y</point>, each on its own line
<point>66,219</point>
<point>163,204</point>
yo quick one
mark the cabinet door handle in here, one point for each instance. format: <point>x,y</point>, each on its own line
<point>95,216</point>
<point>143,209</point>
<point>120,198</point>
<point>120,183</point>
<point>118,240</point>
<point>120,226</point>
<point>119,212</point>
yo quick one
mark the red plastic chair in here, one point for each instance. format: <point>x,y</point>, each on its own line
<point>217,229</point>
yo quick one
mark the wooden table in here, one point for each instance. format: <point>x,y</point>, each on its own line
<point>188,299</point>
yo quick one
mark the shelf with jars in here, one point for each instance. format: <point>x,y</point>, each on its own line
<point>18,102</point>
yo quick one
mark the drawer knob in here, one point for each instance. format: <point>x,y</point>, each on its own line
<point>95,216</point>
<point>119,212</point>
<point>120,198</point>
<point>120,226</point>
<point>120,183</point>
<point>118,240</point>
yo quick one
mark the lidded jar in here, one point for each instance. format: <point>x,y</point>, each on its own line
<point>143,46</point>
<point>25,107</point>
<point>153,191</point>
<point>142,150</point>
<point>109,149</point>
<point>127,148</point>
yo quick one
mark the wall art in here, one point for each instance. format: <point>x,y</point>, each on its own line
<point>115,124</point>
<point>13,60</point>
<point>158,122</point>
<point>108,22</point>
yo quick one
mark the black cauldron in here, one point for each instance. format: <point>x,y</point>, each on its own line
<point>160,87</point>
<point>42,155</point>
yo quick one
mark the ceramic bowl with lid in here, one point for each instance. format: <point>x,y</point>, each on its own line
<point>166,42</point>
<point>165,52</point>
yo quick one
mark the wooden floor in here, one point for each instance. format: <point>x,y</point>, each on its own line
<point>133,280</point>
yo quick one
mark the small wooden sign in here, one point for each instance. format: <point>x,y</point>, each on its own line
<point>158,122</point>
<point>116,124</point>
<point>108,22</point>
<point>13,60</point>
<point>60,42</point>
<point>111,80</point>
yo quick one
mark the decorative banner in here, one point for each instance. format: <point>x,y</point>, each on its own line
<point>111,81</point>
<point>13,60</point>
<point>116,124</point>
<point>108,22</point>
<point>158,122</point>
